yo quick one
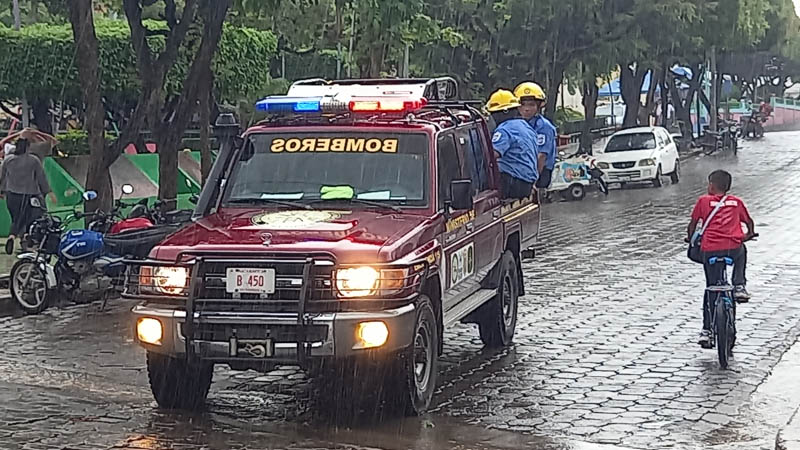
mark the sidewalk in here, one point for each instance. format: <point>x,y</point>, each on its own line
<point>6,261</point>
<point>789,437</point>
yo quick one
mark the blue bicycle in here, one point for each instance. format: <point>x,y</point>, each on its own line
<point>723,314</point>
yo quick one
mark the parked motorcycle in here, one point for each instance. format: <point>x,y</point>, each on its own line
<point>79,265</point>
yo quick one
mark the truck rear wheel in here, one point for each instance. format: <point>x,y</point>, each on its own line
<point>177,384</point>
<point>498,317</point>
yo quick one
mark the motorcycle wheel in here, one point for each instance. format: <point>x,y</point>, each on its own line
<point>28,286</point>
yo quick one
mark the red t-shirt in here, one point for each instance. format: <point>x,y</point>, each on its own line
<point>725,230</point>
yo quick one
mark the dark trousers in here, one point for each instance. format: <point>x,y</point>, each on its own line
<point>21,212</point>
<point>514,188</point>
<point>715,273</point>
<point>545,178</point>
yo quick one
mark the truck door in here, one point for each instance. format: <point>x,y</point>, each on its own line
<point>459,263</point>
<point>487,225</point>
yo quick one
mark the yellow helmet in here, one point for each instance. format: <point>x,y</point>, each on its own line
<point>502,100</point>
<point>530,89</point>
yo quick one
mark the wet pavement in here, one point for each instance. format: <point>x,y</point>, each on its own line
<point>604,357</point>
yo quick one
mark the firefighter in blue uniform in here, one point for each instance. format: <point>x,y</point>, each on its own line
<point>532,100</point>
<point>515,141</point>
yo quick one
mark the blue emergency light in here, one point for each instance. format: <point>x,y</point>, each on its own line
<point>284,104</point>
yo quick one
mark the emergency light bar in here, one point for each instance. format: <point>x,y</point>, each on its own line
<point>281,104</point>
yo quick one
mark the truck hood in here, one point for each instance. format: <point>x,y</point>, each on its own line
<point>352,236</point>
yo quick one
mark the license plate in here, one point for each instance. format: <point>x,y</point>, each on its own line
<point>250,281</point>
<point>252,348</point>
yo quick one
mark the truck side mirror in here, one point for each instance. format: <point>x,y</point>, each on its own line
<point>461,195</point>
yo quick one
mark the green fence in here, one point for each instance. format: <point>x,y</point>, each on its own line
<point>69,191</point>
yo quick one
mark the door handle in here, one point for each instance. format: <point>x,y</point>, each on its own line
<point>496,213</point>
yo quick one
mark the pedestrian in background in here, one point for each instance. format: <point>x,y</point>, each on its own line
<point>22,178</point>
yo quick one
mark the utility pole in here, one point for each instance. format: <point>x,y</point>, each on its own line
<point>406,62</point>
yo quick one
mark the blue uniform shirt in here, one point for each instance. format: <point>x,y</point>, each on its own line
<point>546,135</point>
<point>515,140</point>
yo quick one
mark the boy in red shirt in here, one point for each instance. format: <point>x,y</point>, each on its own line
<point>722,237</point>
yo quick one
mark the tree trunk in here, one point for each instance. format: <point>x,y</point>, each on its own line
<point>554,82</point>
<point>98,178</point>
<point>590,94</point>
<point>650,103</point>
<point>630,86</point>
<point>169,134</point>
<point>205,127</point>
<point>41,115</point>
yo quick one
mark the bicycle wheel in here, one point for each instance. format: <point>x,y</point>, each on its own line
<point>723,332</point>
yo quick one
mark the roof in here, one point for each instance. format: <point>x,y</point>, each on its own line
<point>635,130</point>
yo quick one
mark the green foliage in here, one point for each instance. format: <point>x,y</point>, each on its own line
<point>75,142</point>
<point>40,60</point>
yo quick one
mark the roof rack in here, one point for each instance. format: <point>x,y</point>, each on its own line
<point>433,89</point>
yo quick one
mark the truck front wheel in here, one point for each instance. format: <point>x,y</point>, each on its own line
<point>498,317</point>
<point>176,384</point>
<point>417,371</point>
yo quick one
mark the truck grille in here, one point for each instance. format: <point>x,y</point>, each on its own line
<point>623,165</point>
<point>211,294</point>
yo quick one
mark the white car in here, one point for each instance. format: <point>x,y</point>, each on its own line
<point>637,155</point>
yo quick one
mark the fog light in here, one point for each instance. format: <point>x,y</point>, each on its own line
<point>371,334</point>
<point>647,173</point>
<point>149,331</point>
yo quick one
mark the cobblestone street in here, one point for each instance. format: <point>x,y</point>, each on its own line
<point>605,355</point>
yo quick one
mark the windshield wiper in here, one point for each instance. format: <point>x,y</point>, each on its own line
<point>258,201</point>
<point>380,205</point>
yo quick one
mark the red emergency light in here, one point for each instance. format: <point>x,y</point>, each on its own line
<point>384,104</point>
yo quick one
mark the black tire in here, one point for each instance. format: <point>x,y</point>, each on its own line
<point>177,384</point>
<point>576,192</point>
<point>418,364</point>
<point>657,182</point>
<point>675,176</point>
<point>723,338</point>
<point>498,317</point>
<point>28,286</point>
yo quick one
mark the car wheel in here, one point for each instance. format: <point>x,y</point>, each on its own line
<point>498,317</point>
<point>675,176</point>
<point>576,192</point>
<point>418,364</point>
<point>657,180</point>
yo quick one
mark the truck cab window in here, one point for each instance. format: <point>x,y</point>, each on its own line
<point>449,166</point>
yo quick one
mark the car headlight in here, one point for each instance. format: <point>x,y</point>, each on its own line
<point>602,165</point>
<point>647,162</point>
<point>366,281</point>
<point>164,280</point>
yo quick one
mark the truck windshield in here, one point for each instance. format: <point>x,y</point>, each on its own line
<point>305,168</point>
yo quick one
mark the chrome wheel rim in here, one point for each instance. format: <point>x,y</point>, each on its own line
<point>423,356</point>
<point>29,285</point>
<point>508,304</point>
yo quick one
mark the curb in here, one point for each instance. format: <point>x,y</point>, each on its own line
<point>689,155</point>
<point>789,437</point>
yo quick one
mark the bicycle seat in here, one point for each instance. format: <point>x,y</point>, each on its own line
<point>718,260</point>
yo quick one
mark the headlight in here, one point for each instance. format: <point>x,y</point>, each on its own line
<point>149,331</point>
<point>164,280</point>
<point>365,281</point>
<point>356,281</point>
<point>647,162</point>
<point>602,165</point>
<point>371,334</point>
